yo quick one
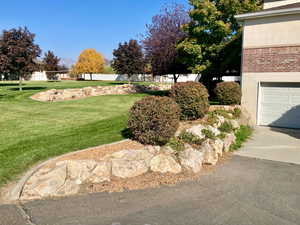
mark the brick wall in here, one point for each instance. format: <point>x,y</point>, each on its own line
<point>272,59</point>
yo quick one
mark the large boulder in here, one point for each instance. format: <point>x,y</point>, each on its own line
<point>130,163</point>
<point>214,130</point>
<point>210,156</point>
<point>128,168</point>
<point>191,159</point>
<point>220,121</point>
<point>228,141</point>
<point>218,146</point>
<point>132,155</point>
<point>101,173</point>
<point>164,163</point>
<point>79,170</point>
<point>45,183</point>
<point>235,124</point>
<point>197,130</point>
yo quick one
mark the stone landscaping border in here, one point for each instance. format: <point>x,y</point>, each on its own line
<point>16,193</point>
<point>55,95</point>
<point>68,173</point>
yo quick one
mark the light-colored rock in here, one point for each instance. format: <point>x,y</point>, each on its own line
<point>168,150</point>
<point>133,155</point>
<point>45,183</point>
<point>191,159</point>
<point>214,130</point>
<point>228,141</point>
<point>218,146</point>
<point>235,124</point>
<point>69,188</point>
<point>101,173</point>
<point>164,163</point>
<point>220,121</point>
<point>128,168</point>
<point>67,94</point>
<point>210,156</point>
<point>80,170</point>
<point>197,130</point>
<point>152,149</point>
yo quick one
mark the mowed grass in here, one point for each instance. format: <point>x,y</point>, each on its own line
<point>33,131</point>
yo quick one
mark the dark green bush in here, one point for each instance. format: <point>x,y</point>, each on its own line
<point>228,93</point>
<point>192,97</point>
<point>190,138</point>
<point>236,113</point>
<point>176,144</point>
<point>154,120</point>
<point>226,127</point>
<point>208,134</point>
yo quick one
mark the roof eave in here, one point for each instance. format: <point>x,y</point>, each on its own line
<point>263,14</point>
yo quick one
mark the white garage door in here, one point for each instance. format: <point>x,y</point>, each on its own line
<point>280,104</point>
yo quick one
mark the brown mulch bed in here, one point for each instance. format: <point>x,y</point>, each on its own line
<point>97,153</point>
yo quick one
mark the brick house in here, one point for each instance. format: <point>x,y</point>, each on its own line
<point>271,64</point>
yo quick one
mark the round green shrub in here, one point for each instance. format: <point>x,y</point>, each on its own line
<point>192,97</point>
<point>154,120</point>
<point>228,93</point>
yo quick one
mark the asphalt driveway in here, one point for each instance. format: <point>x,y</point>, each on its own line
<point>243,191</point>
<point>277,144</point>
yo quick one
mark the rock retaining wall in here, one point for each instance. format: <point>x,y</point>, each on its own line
<point>54,95</point>
<point>66,177</point>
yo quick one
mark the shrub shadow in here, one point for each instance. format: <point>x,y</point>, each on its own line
<point>126,133</point>
<point>9,84</point>
<point>28,88</point>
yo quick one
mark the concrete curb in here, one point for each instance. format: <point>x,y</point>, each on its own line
<point>15,194</point>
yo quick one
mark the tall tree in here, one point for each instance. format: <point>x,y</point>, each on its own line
<point>129,59</point>
<point>51,65</point>
<point>213,45</point>
<point>90,61</point>
<point>18,53</point>
<point>161,39</point>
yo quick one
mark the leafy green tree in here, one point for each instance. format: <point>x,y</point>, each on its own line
<point>129,59</point>
<point>18,54</point>
<point>51,65</point>
<point>213,45</point>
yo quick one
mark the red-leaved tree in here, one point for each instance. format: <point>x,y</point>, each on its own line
<point>161,39</point>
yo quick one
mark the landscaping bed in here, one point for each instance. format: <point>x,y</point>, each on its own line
<point>129,165</point>
<point>54,95</point>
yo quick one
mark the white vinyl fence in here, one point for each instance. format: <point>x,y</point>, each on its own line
<point>41,76</point>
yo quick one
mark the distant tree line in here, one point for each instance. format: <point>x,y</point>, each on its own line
<point>206,40</point>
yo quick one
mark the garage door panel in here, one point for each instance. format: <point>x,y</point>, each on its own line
<point>280,105</point>
<point>275,99</point>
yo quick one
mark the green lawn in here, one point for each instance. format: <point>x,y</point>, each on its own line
<point>33,131</point>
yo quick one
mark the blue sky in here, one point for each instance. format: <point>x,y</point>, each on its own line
<point>69,26</point>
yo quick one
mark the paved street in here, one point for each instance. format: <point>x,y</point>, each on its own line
<point>244,191</point>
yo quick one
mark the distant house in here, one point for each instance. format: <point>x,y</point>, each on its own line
<point>271,64</point>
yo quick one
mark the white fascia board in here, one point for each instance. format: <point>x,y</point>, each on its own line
<point>270,13</point>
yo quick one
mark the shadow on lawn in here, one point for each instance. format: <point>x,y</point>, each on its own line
<point>8,84</point>
<point>28,88</point>
<point>126,133</point>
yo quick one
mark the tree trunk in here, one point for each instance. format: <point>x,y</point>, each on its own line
<point>91,76</point>
<point>175,78</point>
<point>129,81</point>
<point>20,83</point>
